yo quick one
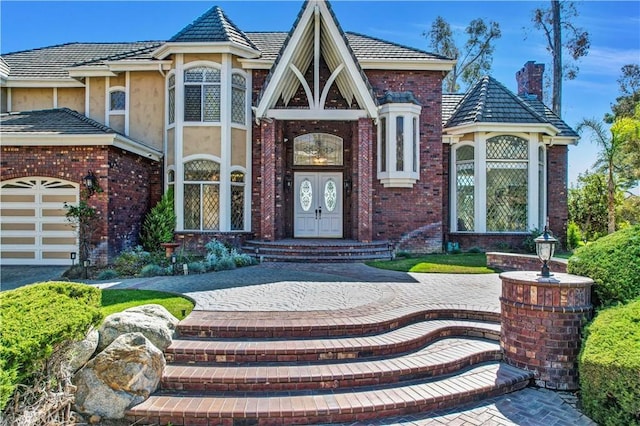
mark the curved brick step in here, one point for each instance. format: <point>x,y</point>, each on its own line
<point>404,339</point>
<point>442,357</point>
<point>486,380</point>
<point>318,324</point>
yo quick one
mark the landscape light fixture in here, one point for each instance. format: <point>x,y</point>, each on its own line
<point>545,246</point>
<point>72,255</point>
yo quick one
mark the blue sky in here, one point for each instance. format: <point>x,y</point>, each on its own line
<point>614,27</point>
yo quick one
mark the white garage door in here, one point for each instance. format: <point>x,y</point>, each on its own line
<point>34,228</point>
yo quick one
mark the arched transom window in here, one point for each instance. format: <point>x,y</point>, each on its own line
<point>202,94</point>
<point>317,149</point>
<point>202,195</point>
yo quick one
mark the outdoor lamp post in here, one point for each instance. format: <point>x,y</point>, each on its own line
<point>545,246</point>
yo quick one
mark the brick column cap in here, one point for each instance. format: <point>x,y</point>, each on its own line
<point>558,278</point>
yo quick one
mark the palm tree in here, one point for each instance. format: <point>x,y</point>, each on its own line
<point>611,156</point>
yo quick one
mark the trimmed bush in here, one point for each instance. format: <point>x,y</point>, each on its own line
<point>613,262</point>
<point>35,320</point>
<point>155,270</point>
<point>130,262</point>
<point>107,274</point>
<point>609,366</point>
<point>159,224</point>
<point>574,236</point>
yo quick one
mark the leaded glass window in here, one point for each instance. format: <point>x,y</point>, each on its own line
<point>507,184</point>
<point>317,149</point>
<point>465,188</point>
<point>400,143</point>
<point>202,94</point>
<point>330,195</point>
<point>237,201</point>
<point>202,195</point>
<point>117,100</point>
<point>172,99</point>
<point>238,98</point>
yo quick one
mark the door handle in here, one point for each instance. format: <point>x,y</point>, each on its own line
<point>316,214</point>
<point>320,212</point>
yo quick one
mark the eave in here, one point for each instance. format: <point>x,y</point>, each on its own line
<point>408,64</point>
<point>138,65</point>
<point>60,139</point>
<point>544,128</point>
<point>40,82</point>
<point>203,47</point>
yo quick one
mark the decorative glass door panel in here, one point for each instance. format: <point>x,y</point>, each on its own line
<point>318,205</point>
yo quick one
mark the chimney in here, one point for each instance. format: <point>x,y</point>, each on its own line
<point>529,79</point>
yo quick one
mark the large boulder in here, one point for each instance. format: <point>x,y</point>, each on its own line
<point>80,352</point>
<point>121,376</point>
<point>154,321</point>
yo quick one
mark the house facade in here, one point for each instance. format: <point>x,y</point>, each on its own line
<point>315,134</point>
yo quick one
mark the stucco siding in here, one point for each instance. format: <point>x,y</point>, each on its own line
<point>146,107</point>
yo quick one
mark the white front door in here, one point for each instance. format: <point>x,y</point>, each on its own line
<point>318,205</point>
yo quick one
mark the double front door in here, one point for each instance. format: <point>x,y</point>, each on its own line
<point>318,205</point>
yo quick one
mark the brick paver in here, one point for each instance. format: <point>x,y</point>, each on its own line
<point>303,287</point>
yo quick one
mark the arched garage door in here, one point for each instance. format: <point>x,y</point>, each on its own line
<point>34,228</point>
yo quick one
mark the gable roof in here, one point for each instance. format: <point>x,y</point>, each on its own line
<point>212,27</point>
<point>316,33</point>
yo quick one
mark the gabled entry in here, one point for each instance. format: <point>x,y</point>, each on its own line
<point>316,36</point>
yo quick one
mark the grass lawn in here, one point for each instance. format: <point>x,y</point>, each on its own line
<point>463,263</point>
<point>118,300</point>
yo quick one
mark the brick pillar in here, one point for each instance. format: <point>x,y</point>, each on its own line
<point>268,182</point>
<point>542,319</point>
<point>557,191</point>
<point>364,164</point>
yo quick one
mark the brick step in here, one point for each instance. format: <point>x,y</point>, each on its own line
<point>319,258</point>
<point>399,340</point>
<point>481,381</point>
<point>442,357</point>
<point>239,325</point>
<point>323,250</point>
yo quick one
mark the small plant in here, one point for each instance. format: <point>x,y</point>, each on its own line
<point>242,259</point>
<point>574,236</point>
<point>475,250</point>
<point>159,223</point>
<point>196,267</point>
<point>153,270</point>
<point>130,262</point>
<point>529,243</point>
<point>84,219</point>
<point>107,274</point>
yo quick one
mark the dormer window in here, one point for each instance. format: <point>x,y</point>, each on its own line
<point>399,140</point>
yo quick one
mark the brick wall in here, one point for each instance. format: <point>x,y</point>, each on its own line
<point>557,192</point>
<point>129,186</point>
<point>522,262</point>
<point>412,218</point>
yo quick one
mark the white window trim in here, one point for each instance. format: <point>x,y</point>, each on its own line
<point>221,202</point>
<point>247,200</point>
<point>392,177</point>
<point>453,188</point>
<point>222,84</point>
<point>117,111</point>
<point>168,125</point>
<point>247,97</point>
<point>480,192</point>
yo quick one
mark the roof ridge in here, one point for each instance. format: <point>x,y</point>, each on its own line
<point>519,100</point>
<point>35,49</point>
<point>121,54</point>
<point>85,119</point>
<point>404,46</point>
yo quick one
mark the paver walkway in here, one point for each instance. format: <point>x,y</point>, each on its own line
<point>331,287</point>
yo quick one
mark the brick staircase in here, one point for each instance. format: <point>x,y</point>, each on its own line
<point>317,250</point>
<point>254,368</point>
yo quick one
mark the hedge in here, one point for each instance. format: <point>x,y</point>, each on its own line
<point>609,366</point>
<point>613,262</point>
<point>35,320</point>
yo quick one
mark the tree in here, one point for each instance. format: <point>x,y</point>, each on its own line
<point>477,55</point>
<point>629,84</point>
<point>611,156</point>
<point>587,204</point>
<point>556,21</point>
<point>159,224</point>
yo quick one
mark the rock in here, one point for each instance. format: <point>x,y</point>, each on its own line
<point>154,321</point>
<point>80,352</point>
<point>157,311</point>
<point>121,376</point>
<point>94,420</point>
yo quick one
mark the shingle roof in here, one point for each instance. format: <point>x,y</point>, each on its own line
<point>449,103</point>
<point>398,97</point>
<point>488,101</point>
<point>213,26</point>
<point>53,61</point>
<point>549,115</point>
<point>61,121</point>
<point>366,47</point>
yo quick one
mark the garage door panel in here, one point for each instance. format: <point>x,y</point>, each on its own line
<point>33,221</point>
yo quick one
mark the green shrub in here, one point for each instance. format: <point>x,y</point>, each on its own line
<point>241,259</point>
<point>159,224</point>
<point>529,243</point>
<point>574,236</point>
<point>107,274</point>
<point>154,270</point>
<point>196,267</point>
<point>613,262</point>
<point>35,320</point>
<point>130,262</point>
<point>609,366</point>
